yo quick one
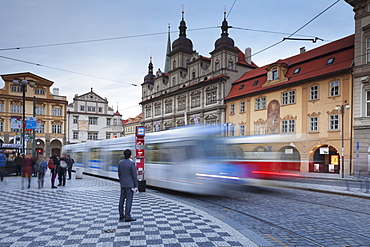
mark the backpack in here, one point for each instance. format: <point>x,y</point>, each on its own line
<point>51,164</point>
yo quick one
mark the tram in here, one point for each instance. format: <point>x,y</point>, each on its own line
<point>189,159</point>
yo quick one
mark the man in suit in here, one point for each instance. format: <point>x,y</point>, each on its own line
<point>128,179</point>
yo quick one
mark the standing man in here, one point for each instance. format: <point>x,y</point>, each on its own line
<point>128,179</point>
<point>69,169</point>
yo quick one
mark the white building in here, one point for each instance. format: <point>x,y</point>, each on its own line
<point>90,118</point>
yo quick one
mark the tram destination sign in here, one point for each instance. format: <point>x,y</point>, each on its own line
<point>10,145</point>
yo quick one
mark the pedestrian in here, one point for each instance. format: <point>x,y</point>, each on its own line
<point>64,163</point>
<point>2,165</point>
<point>26,170</point>
<point>34,172</point>
<point>41,166</point>
<point>53,171</point>
<point>18,164</point>
<point>128,180</point>
<point>58,169</point>
<point>71,162</point>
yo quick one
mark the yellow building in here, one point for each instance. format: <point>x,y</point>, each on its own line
<point>130,124</point>
<point>50,113</point>
<point>300,95</point>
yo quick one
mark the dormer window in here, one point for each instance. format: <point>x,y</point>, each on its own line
<point>255,83</point>
<point>296,71</point>
<point>274,74</point>
<point>241,87</point>
<point>330,61</point>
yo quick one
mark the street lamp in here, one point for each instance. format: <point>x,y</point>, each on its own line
<point>341,108</point>
<point>23,84</point>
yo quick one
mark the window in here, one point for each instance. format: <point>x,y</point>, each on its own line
<point>40,91</point>
<point>313,124</point>
<point>56,129</point>
<point>91,108</point>
<point>296,71</point>
<point>1,126</point>
<point>115,122</point>
<point>92,136</point>
<point>57,112</point>
<point>274,74</point>
<point>168,107</point>
<point>330,61</point>
<point>232,130</point>
<point>288,126</point>
<point>260,103</point>
<point>260,128</point>
<point>368,103</point>
<point>181,104</point>
<point>288,97</point>
<point>40,128</point>
<point>107,135</point>
<point>82,108</point>
<point>255,83</point>
<point>314,92</point>
<point>230,65</point>
<point>232,109</point>
<point>1,107</point>
<point>75,119</point>
<point>193,74</point>
<point>242,106</point>
<point>195,101</point>
<point>75,135</point>
<point>100,109</point>
<point>211,97</point>
<point>217,65</point>
<point>334,88</point>
<point>148,111</point>
<point>157,109</point>
<point>16,89</point>
<point>93,120</point>
<point>241,87</point>
<point>334,122</point>
<point>108,121</point>
<point>368,50</point>
<point>16,109</point>
<point>40,110</point>
<point>242,130</point>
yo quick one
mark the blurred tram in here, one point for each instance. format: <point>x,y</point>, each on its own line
<point>190,159</point>
<point>262,158</point>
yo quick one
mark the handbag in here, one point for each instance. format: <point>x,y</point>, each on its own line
<point>63,164</point>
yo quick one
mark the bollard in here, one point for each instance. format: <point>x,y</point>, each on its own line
<point>78,173</point>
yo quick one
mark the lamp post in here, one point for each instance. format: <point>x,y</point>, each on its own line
<point>341,109</point>
<point>23,84</point>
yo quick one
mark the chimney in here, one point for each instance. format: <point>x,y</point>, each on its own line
<point>248,55</point>
<point>56,91</point>
<point>302,50</point>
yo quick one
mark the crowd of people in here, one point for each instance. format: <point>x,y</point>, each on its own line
<point>28,167</point>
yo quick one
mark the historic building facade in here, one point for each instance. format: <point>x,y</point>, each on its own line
<point>361,85</point>
<point>194,87</point>
<point>48,108</point>
<point>300,95</point>
<point>90,118</point>
<point>130,124</point>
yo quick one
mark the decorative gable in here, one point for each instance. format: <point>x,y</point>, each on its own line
<point>276,73</point>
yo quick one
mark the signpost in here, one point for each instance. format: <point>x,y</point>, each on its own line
<point>140,156</point>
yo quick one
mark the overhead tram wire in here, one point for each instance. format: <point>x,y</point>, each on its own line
<point>100,40</point>
<point>64,70</point>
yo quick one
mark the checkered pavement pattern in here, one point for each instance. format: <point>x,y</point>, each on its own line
<point>85,213</point>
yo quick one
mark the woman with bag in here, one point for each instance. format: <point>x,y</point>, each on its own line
<point>41,167</point>
<point>54,169</point>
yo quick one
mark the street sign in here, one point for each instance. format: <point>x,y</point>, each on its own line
<point>31,123</point>
<point>357,145</point>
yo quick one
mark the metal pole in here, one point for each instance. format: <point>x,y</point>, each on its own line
<point>34,131</point>
<point>342,111</point>
<point>24,119</point>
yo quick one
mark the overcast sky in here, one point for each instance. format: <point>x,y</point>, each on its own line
<point>132,31</point>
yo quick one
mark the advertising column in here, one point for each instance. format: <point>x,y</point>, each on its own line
<point>140,156</point>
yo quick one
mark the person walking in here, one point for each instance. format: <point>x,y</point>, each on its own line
<point>53,171</point>
<point>26,170</point>
<point>64,163</point>
<point>41,167</point>
<point>69,169</point>
<point>18,164</point>
<point>128,180</point>
<point>2,165</point>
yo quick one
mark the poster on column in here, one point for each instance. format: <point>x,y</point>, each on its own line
<point>16,122</point>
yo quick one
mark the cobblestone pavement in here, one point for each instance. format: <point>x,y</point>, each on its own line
<point>84,213</point>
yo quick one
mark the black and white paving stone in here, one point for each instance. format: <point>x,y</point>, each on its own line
<point>85,213</point>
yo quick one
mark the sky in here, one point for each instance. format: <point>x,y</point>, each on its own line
<point>107,45</point>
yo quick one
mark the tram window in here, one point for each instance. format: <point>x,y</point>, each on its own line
<point>116,156</point>
<point>95,154</point>
<point>78,157</point>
